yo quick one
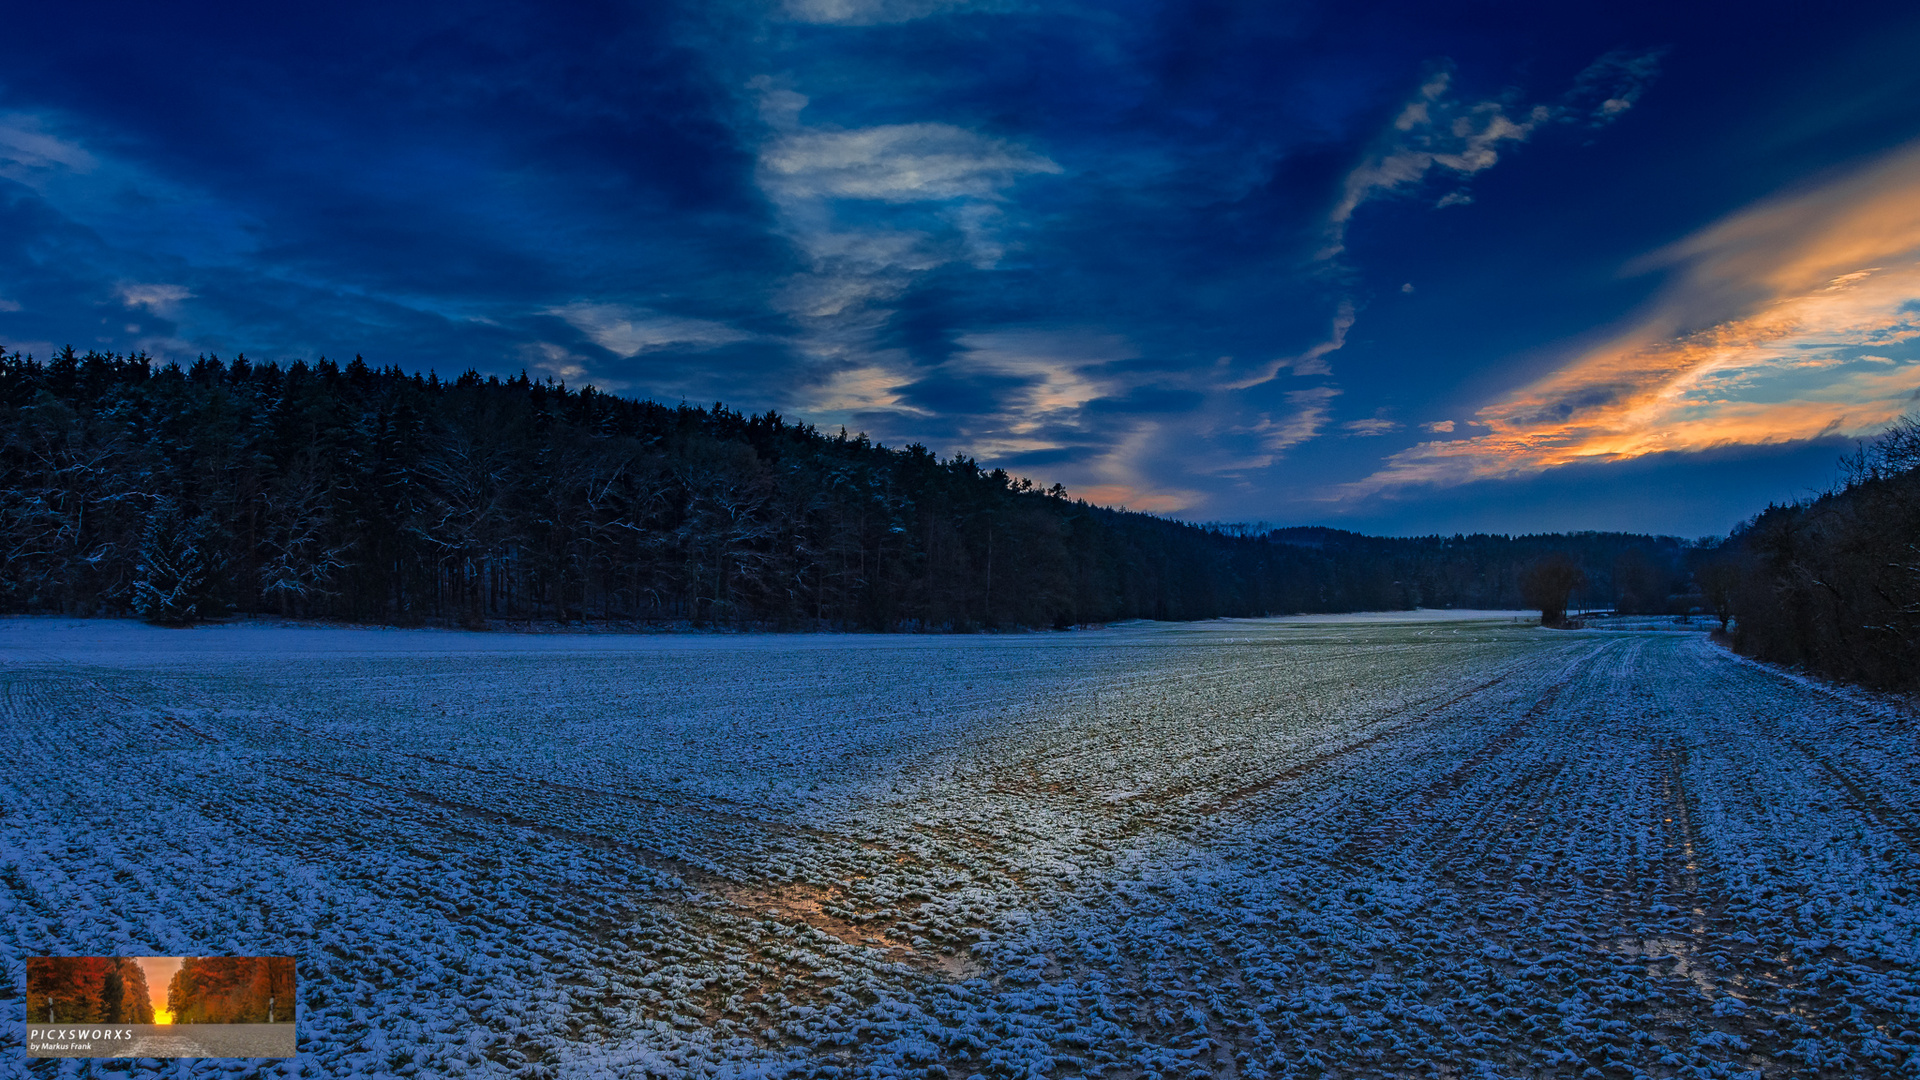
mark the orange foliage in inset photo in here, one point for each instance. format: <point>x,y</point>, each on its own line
<point>232,990</point>
<point>87,990</point>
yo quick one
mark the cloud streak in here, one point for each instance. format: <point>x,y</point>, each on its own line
<point>1313,361</point>
<point>28,151</point>
<point>1429,132</point>
<point>1434,132</point>
<point>161,299</point>
<point>896,163</point>
<point>1312,409</point>
<point>872,211</point>
<point>628,332</point>
<point>1795,319</point>
<point>866,12</point>
<point>865,208</point>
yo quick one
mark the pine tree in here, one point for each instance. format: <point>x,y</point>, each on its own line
<point>170,579</point>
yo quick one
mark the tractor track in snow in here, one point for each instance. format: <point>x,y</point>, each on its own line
<point>1242,850</point>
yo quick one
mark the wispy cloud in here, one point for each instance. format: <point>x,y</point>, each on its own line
<point>850,269</point>
<point>1033,386</point>
<point>161,299</point>
<point>28,150</point>
<point>900,172</point>
<point>896,163</point>
<point>1311,410</point>
<point>1610,86</point>
<point>1056,372</point>
<point>1373,425</point>
<point>123,200</point>
<point>871,211</point>
<point>865,388</point>
<point>867,12</point>
<point>1124,476</point>
<point>1312,361</point>
<point>1030,395</point>
<point>628,331</point>
<point>1795,319</point>
<point>555,361</point>
<point>1430,131</point>
<point>1436,132</point>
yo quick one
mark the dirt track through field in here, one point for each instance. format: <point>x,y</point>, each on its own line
<point>1230,849</point>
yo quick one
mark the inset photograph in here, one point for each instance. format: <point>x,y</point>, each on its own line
<point>160,1006</point>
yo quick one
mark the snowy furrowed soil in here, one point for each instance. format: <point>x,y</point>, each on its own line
<point>1232,849</point>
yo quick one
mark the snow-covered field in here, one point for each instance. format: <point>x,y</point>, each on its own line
<point>1231,849</point>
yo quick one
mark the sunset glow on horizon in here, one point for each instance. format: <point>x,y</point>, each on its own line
<point>160,971</point>
<point>1812,305</point>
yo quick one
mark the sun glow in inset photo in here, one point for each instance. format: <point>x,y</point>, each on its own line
<point>160,971</point>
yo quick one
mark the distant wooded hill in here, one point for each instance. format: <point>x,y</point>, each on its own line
<point>371,495</point>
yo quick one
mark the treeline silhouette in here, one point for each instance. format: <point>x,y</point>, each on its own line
<point>87,990</point>
<point>232,990</point>
<point>1626,572</point>
<point>349,492</point>
<point>1832,584</point>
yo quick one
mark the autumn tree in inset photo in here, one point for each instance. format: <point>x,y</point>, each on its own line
<point>87,990</point>
<point>1547,583</point>
<point>232,990</point>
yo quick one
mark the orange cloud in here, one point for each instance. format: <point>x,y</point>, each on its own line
<point>1773,332</point>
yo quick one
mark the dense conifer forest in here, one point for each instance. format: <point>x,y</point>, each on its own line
<point>355,493</point>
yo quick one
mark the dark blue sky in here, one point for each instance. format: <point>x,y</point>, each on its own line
<point>1397,268</point>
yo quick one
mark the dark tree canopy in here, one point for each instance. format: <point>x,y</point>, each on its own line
<point>1548,582</point>
<point>350,492</point>
<point>1833,584</point>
